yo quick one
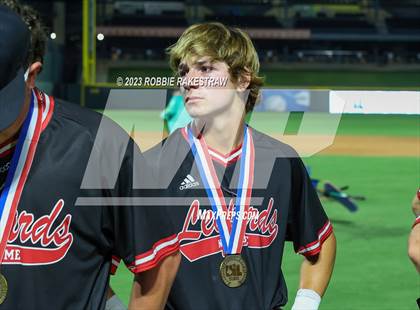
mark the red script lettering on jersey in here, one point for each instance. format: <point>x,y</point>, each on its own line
<point>261,230</point>
<point>49,245</point>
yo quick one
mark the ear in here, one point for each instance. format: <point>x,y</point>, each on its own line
<point>244,81</point>
<point>34,70</point>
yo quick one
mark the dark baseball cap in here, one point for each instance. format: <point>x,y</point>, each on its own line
<point>15,40</point>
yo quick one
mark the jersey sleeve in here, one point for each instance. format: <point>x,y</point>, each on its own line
<point>308,226</point>
<point>417,221</point>
<point>143,234</point>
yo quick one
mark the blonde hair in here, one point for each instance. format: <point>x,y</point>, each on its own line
<point>221,43</point>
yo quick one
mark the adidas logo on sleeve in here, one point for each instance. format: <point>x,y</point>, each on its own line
<point>188,182</point>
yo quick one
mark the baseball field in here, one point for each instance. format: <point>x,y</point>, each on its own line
<point>378,156</point>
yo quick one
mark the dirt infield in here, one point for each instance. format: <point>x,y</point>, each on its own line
<point>340,145</point>
<point>360,145</point>
<point>375,146</point>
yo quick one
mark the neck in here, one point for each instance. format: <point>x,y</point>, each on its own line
<point>13,129</point>
<point>223,132</point>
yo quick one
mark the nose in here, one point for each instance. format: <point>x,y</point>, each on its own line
<point>191,79</point>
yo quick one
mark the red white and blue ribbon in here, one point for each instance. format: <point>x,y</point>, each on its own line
<point>244,193</point>
<point>19,169</point>
<point>231,231</point>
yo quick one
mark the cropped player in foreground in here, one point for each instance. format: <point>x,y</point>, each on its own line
<point>246,193</point>
<point>56,254</point>
<point>414,239</point>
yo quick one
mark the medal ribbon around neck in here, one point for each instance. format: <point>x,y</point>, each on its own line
<point>19,170</point>
<point>231,232</point>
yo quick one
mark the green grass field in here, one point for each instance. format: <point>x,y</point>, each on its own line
<point>372,268</point>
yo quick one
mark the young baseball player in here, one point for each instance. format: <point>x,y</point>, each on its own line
<point>236,194</point>
<point>55,252</point>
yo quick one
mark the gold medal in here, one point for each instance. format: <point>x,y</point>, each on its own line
<point>3,288</point>
<point>233,271</point>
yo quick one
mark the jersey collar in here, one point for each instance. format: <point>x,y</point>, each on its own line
<point>223,159</point>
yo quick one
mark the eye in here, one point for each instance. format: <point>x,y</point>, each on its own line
<point>182,69</point>
<point>182,72</point>
<point>206,69</point>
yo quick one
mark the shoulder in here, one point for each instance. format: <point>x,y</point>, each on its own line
<point>280,149</point>
<point>168,147</point>
<point>169,154</point>
<point>279,154</point>
<point>76,116</point>
<point>72,118</point>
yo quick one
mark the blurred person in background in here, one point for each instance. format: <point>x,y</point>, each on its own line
<point>175,115</point>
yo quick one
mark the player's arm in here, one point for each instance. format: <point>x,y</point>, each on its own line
<point>414,239</point>
<point>143,236</point>
<point>151,288</point>
<point>414,246</point>
<point>313,237</point>
<point>113,302</point>
<point>316,271</point>
<point>315,274</point>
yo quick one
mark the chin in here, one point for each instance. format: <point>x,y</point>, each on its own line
<point>194,112</point>
<point>197,116</point>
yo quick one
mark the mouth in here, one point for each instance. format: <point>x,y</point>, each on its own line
<point>190,99</point>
